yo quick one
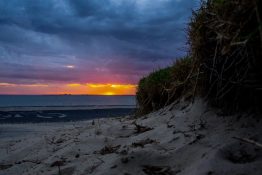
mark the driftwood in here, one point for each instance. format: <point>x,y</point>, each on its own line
<point>249,141</point>
<point>6,166</point>
<point>54,141</point>
<point>142,143</point>
<point>28,161</point>
<point>58,164</point>
<point>108,150</point>
<point>140,129</point>
<point>157,170</point>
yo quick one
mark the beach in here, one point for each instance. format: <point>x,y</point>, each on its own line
<point>182,138</point>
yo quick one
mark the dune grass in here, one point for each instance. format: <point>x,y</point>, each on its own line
<point>226,42</point>
<point>163,86</point>
<point>225,62</point>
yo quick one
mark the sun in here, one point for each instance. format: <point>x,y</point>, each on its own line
<point>109,93</point>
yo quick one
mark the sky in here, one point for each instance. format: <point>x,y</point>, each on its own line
<point>88,46</point>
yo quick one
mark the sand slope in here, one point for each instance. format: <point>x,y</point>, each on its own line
<point>180,139</point>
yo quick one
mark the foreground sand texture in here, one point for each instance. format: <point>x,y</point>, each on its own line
<point>183,139</point>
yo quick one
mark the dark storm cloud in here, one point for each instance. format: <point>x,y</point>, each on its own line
<point>38,37</point>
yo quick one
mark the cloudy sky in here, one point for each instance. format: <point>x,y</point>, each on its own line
<point>54,46</point>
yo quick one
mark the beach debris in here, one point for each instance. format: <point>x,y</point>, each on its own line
<point>124,152</point>
<point>113,167</point>
<point>157,170</point>
<point>77,156</point>
<point>184,107</point>
<point>108,150</point>
<point>98,132</point>
<point>174,139</point>
<point>249,141</point>
<point>185,133</point>
<point>239,153</point>
<point>198,137</point>
<point>106,139</point>
<point>60,140</point>
<point>53,140</point>
<point>4,167</point>
<point>142,143</point>
<point>210,173</point>
<point>124,160</point>
<point>141,129</point>
<point>202,124</point>
<point>94,167</point>
<point>28,161</point>
<point>168,125</point>
<point>68,171</point>
<point>58,163</point>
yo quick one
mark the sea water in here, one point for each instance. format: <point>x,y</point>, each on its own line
<point>61,108</point>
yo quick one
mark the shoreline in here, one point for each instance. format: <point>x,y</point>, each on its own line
<point>68,115</point>
<point>64,108</point>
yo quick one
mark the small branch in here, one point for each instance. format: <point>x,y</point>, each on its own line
<point>195,86</point>
<point>214,62</point>
<point>249,141</point>
<point>32,161</point>
<point>140,129</point>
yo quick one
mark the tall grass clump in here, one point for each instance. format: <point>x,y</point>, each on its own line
<point>163,86</point>
<point>225,62</point>
<point>225,37</point>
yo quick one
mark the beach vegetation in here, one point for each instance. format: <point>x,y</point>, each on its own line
<point>226,43</point>
<point>224,62</point>
<point>165,85</point>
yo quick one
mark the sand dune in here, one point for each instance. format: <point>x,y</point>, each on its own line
<point>180,139</point>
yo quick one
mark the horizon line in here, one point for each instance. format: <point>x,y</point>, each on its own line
<point>72,94</point>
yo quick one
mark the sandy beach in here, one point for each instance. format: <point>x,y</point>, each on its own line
<point>180,139</point>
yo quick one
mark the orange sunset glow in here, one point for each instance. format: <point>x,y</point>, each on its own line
<point>72,88</point>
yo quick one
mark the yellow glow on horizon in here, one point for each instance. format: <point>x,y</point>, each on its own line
<point>71,88</point>
<point>109,93</point>
<point>111,85</point>
<point>111,89</point>
<point>96,85</point>
<point>74,85</point>
<point>115,86</point>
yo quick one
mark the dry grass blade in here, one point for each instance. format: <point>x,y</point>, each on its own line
<point>157,170</point>
<point>142,143</point>
<point>108,149</point>
<point>249,141</point>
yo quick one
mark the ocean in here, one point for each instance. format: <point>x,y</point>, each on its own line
<point>62,108</point>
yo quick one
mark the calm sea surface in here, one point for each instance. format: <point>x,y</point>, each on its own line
<point>61,108</point>
<point>64,100</point>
